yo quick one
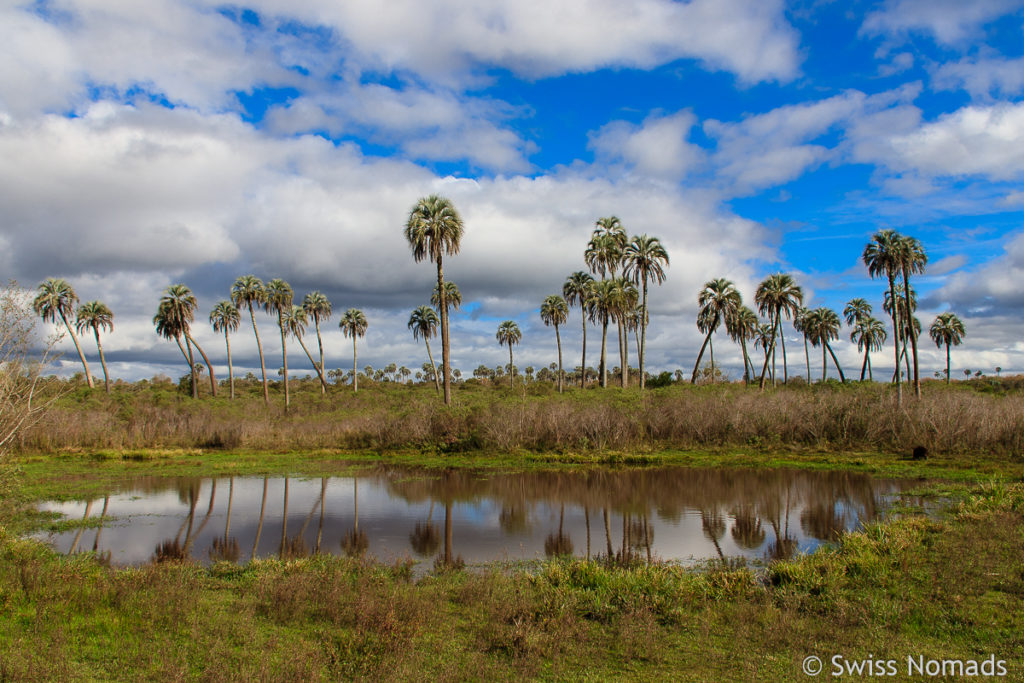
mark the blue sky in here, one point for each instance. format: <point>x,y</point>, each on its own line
<point>143,144</point>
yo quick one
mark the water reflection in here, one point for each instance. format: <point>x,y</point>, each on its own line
<point>389,513</point>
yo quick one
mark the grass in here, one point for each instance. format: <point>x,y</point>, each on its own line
<point>949,588</point>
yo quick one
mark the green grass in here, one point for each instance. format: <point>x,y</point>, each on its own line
<point>943,588</point>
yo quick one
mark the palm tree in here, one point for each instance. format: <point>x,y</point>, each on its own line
<point>822,325</point>
<point>869,333</point>
<point>435,228</point>
<point>778,295</point>
<point>947,329</point>
<point>763,338</point>
<point>296,321</point>
<point>605,296</point>
<point>509,334</point>
<point>856,310</point>
<point>718,301</point>
<point>554,311</point>
<point>798,325</point>
<point>248,291</point>
<point>881,256</point>
<point>182,304</point>
<point>578,290</point>
<point>452,296</point>
<point>279,296</point>
<point>353,324</point>
<point>646,260</point>
<point>95,314</point>
<point>225,316</point>
<point>603,256</point>
<point>742,325</point>
<point>912,259</point>
<point>56,299</point>
<point>174,316</point>
<point>317,306</point>
<point>909,324</point>
<point>423,323</point>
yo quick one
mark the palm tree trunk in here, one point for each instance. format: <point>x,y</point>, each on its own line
<point>323,501</point>
<point>320,343</point>
<point>746,362</point>
<point>823,361</point>
<point>643,334</point>
<point>259,525</point>
<point>807,357</point>
<point>624,355</point>
<point>711,349</point>
<point>785,368</point>
<point>947,362</point>
<point>259,347</point>
<point>231,499</point>
<point>192,368</point>
<point>88,376</point>
<point>604,345</point>
<point>871,374</point>
<point>583,361</point>
<point>906,357</point>
<point>99,529</point>
<point>231,370</point>
<point>896,337</point>
<point>437,384</point>
<point>284,358</point>
<point>864,366</point>
<point>608,534</point>
<point>839,369</point>
<point>696,366</point>
<point>103,360</point>
<point>911,330</point>
<point>445,346</point>
<point>209,366</point>
<point>355,364</point>
<point>558,340</point>
<point>586,518</point>
<point>511,368</point>
<point>320,374</point>
<point>284,520</point>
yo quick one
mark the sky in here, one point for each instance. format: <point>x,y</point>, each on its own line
<point>147,144</point>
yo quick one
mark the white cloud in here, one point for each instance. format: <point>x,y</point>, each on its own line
<point>993,289</point>
<point>658,147</point>
<point>949,22</point>
<point>982,78</point>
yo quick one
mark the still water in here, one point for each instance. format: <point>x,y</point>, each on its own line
<point>393,513</point>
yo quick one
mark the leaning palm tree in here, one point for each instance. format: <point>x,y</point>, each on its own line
<point>881,256</point>
<point>778,295</point>
<point>278,300</point>
<point>602,310</point>
<point>718,300</point>
<point>947,329</point>
<point>578,290</point>
<point>172,318</point>
<point>912,259</point>
<point>869,334</point>
<point>248,291</point>
<point>822,325</point>
<point>646,260</point>
<point>434,228</point>
<point>423,323</point>
<point>94,315</point>
<point>353,324</point>
<point>296,321</point>
<point>554,311</point>
<point>741,325</point>
<point>56,299</point>
<point>225,317</point>
<point>509,334</point>
<point>182,304</point>
<point>317,306</point>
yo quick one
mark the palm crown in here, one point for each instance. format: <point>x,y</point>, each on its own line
<point>225,316</point>
<point>423,322</point>
<point>353,323</point>
<point>554,310</point>
<point>94,315</point>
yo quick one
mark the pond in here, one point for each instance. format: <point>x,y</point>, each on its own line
<point>391,513</point>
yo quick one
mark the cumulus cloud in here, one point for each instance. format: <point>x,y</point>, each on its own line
<point>994,289</point>
<point>982,78</point>
<point>658,147</point>
<point>949,22</point>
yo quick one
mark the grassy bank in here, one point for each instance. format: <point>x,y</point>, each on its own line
<point>950,588</point>
<point>984,419</point>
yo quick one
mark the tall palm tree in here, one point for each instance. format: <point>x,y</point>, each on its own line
<point>912,259</point>
<point>317,306</point>
<point>856,310</point>
<point>822,326</point>
<point>869,334</point>
<point>646,260</point>
<point>578,290</point>
<point>718,300</point>
<point>798,325</point>
<point>225,317</point>
<point>56,299</point>
<point>434,228</point>
<point>947,329</point>
<point>742,325</point>
<point>603,256</point>
<point>452,296</point>
<point>605,300</point>
<point>296,321</point>
<point>278,300</point>
<point>509,334</point>
<point>626,298</point>
<point>94,315</point>
<point>881,256</point>
<point>423,323</point>
<point>909,324</point>
<point>248,291</point>
<point>554,311</point>
<point>778,295</point>
<point>353,324</point>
